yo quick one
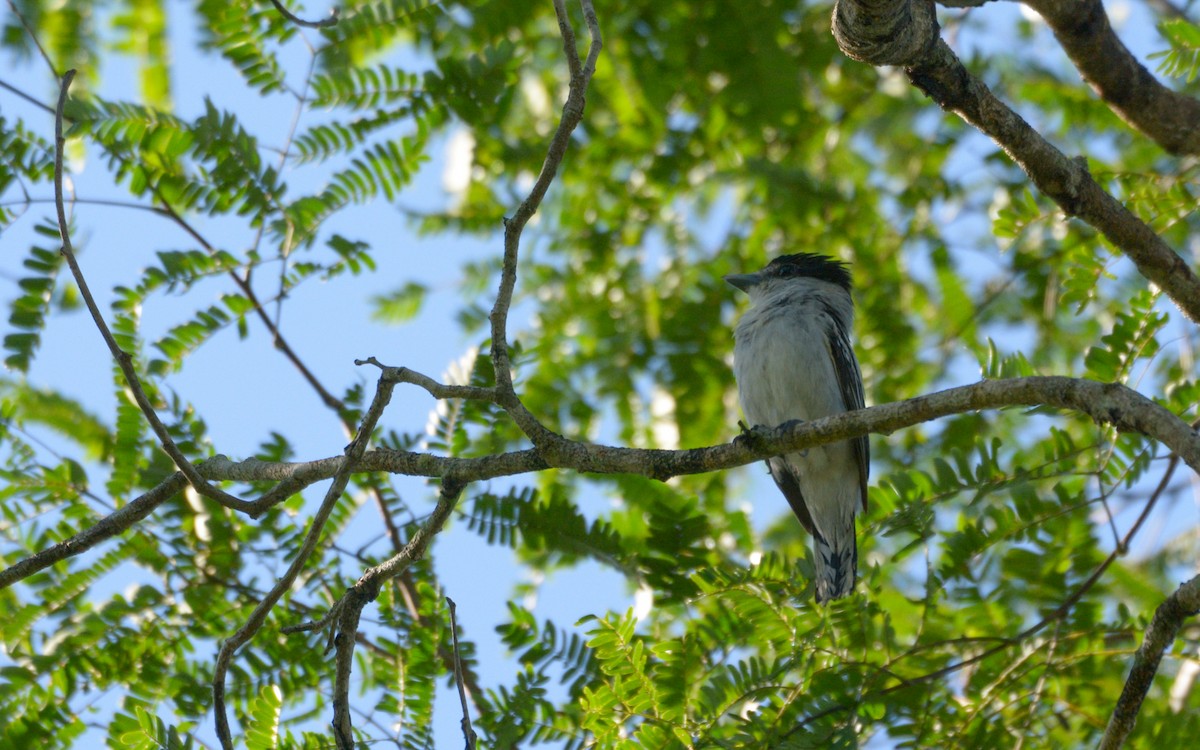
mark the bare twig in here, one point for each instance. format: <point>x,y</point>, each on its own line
<point>348,610</point>
<point>331,21</point>
<point>124,359</point>
<point>1160,634</point>
<point>572,114</point>
<point>331,401</point>
<point>434,388</point>
<point>36,42</point>
<point>468,732</point>
<point>13,89</point>
<point>254,623</point>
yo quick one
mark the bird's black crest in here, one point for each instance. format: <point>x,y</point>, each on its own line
<point>812,266</point>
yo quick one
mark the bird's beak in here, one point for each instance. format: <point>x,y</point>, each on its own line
<point>743,281</point>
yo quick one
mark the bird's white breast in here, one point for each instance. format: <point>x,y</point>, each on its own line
<point>782,360</point>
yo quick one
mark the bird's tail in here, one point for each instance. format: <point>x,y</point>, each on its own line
<point>836,561</point>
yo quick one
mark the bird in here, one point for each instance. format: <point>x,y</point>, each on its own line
<point>794,361</point>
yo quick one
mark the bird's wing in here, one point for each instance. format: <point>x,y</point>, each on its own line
<point>849,379</point>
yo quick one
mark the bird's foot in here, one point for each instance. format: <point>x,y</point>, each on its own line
<point>752,437</point>
<point>786,427</point>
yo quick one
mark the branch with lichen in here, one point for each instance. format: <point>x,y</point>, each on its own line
<point>1105,403</point>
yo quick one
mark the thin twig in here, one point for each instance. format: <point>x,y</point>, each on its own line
<point>570,46</point>
<point>77,201</point>
<point>254,623</point>
<point>468,732</point>
<point>331,401</point>
<point>123,358</point>
<point>285,249</point>
<point>29,30</point>
<point>9,87</point>
<point>331,21</point>
<point>572,115</point>
<point>434,388</point>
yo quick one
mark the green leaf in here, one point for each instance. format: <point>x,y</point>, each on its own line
<point>29,310</point>
<point>1182,60</point>
<point>262,730</point>
<point>400,305</point>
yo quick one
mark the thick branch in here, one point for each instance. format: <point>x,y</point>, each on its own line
<point>1082,27</point>
<point>1160,634</point>
<point>1106,64</point>
<point>1106,403</point>
<point>934,69</point>
<point>885,33</point>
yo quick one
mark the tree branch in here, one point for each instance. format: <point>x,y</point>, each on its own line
<point>354,451</point>
<point>431,386</point>
<point>123,359</point>
<point>1160,634</point>
<point>905,32</point>
<point>33,38</point>
<point>572,114</point>
<point>327,398</point>
<point>107,527</point>
<point>283,11</point>
<point>1105,403</point>
<point>346,612</point>
<point>468,733</point>
<point>1106,64</point>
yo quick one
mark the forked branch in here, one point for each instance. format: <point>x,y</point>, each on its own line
<point>354,452</point>
<point>1105,403</point>
<point>123,359</point>
<point>572,115</point>
<point>905,33</point>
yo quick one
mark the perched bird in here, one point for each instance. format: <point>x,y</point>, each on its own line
<point>793,360</point>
